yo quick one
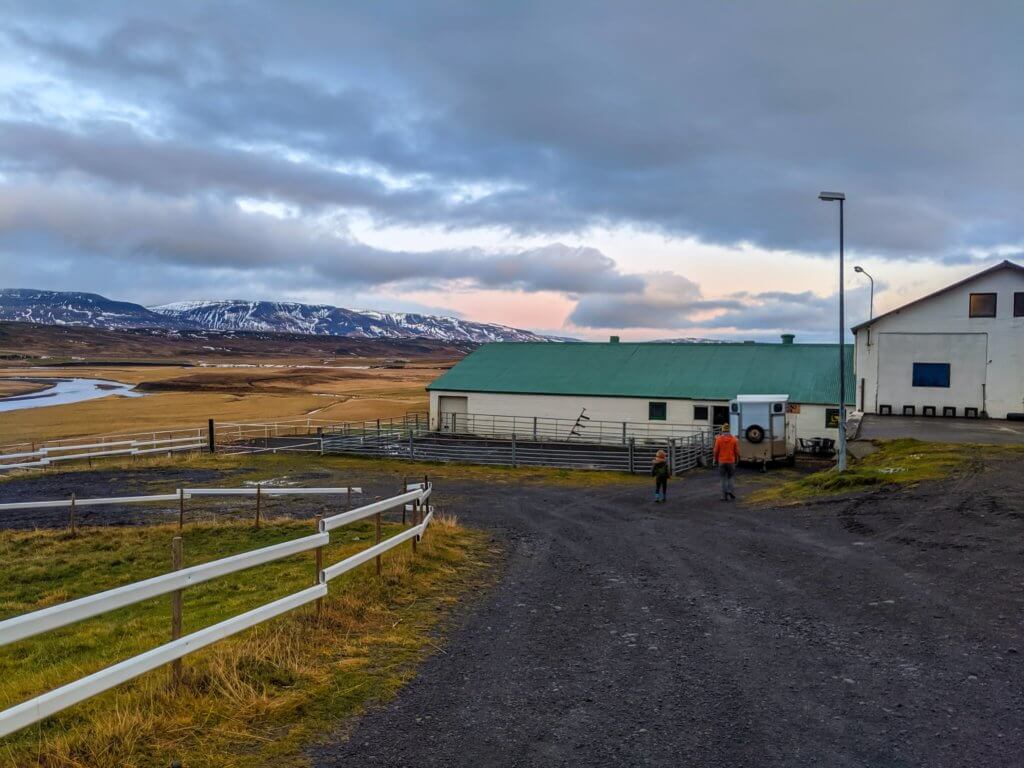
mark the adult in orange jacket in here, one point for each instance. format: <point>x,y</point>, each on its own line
<point>727,453</point>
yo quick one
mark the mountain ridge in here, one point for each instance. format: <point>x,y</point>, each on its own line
<point>91,310</point>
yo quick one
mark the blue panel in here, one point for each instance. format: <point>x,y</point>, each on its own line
<point>931,375</point>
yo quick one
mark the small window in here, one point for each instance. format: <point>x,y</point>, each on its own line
<point>700,413</point>
<point>1018,304</point>
<point>931,375</point>
<point>657,411</point>
<point>831,418</point>
<point>983,305</point>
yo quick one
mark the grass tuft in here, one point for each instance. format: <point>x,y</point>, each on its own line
<point>895,462</point>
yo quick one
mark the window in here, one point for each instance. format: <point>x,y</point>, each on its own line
<point>700,413</point>
<point>983,305</point>
<point>657,411</point>
<point>1018,304</point>
<point>931,375</point>
<point>831,418</point>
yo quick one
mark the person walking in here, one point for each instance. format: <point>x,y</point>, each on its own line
<point>727,453</point>
<point>660,472</point>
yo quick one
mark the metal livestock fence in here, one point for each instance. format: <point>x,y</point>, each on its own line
<point>54,617</point>
<point>683,453</point>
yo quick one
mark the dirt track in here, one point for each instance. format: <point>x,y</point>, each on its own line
<point>882,630</point>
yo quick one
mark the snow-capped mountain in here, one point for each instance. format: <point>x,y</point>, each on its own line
<point>88,310</point>
<point>93,311</point>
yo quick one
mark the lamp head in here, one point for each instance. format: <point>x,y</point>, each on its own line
<point>831,196</point>
<point>858,269</point>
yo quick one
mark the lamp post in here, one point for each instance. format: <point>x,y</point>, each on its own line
<point>871,304</point>
<point>831,197</point>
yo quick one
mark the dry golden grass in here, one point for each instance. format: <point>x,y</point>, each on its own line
<point>240,395</point>
<point>255,699</point>
<point>12,387</point>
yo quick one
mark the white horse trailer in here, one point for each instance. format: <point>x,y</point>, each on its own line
<point>759,423</point>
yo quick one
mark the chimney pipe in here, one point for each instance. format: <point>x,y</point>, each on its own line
<point>787,338</point>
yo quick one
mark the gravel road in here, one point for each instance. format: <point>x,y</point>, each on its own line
<point>883,630</point>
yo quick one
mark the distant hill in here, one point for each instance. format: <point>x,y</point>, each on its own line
<point>90,310</point>
<point>325,320</point>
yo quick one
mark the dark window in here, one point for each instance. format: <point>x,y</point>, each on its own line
<point>1018,304</point>
<point>700,413</point>
<point>931,375</point>
<point>983,305</point>
<point>832,418</point>
<point>657,411</point>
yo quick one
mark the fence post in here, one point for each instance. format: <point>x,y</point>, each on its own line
<point>671,455</point>
<point>176,563</point>
<point>181,508</point>
<point>411,450</point>
<point>71,515</point>
<point>514,464</point>
<point>623,432</point>
<point>377,523</point>
<point>378,427</point>
<point>632,463</point>
<point>318,563</point>
<point>210,437</point>
<point>405,483</point>
<point>259,497</point>
<point>415,517</point>
<point>348,498</point>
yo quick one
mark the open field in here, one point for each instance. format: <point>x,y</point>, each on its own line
<point>242,377</point>
<point>258,698</point>
<point>876,627</point>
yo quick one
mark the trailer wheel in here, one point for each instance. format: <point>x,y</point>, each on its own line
<point>754,434</point>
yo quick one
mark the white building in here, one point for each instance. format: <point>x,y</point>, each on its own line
<point>956,352</point>
<point>639,385</point>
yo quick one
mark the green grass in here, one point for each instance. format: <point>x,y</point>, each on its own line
<point>895,462</point>
<point>254,699</point>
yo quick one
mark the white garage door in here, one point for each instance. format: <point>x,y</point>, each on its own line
<point>932,369</point>
<point>452,408</point>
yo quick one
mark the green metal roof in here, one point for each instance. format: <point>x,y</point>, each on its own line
<point>808,373</point>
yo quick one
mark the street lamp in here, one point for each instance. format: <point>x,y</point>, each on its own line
<point>831,197</point>
<point>871,305</point>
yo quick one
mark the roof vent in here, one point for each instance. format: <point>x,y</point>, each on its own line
<point>787,338</point>
<point>613,340</point>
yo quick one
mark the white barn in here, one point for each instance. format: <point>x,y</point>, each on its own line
<point>956,352</point>
<point>639,386</point>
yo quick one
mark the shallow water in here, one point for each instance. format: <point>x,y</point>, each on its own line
<point>66,391</point>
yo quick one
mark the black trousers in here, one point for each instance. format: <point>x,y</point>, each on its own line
<point>660,485</point>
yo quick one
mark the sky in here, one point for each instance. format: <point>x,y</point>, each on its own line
<point>581,168</point>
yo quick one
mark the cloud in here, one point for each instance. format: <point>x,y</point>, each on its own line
<point>207,235</point>
<point>669,116</point>
<point>670,302</point>
<point>666,300</point>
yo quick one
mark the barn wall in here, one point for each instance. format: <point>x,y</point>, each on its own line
<point>986,355</point>
<point>809,422</point>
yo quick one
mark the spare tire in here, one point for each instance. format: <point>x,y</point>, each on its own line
<point>754,434</point>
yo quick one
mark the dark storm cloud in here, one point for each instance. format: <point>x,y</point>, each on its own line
<point>713,119</point>
<point>210,235</point>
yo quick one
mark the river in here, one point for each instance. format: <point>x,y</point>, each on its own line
<point>66,391</point>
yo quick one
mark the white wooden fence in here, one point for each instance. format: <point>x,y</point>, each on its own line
<point>44,454</point>
<point>30,624</point>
